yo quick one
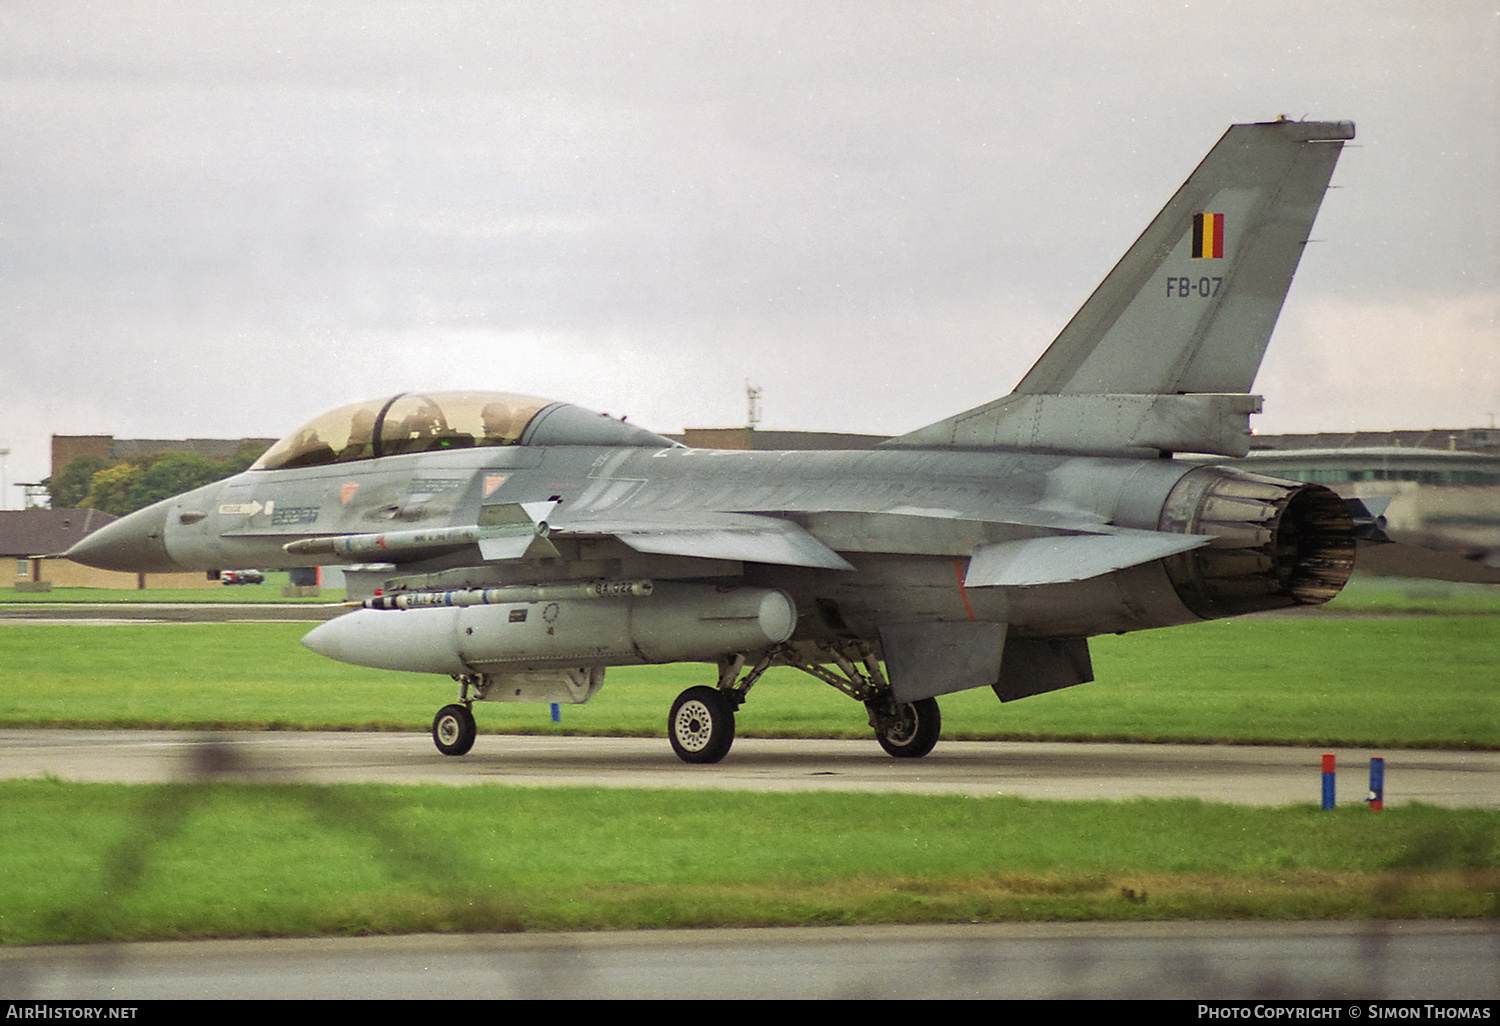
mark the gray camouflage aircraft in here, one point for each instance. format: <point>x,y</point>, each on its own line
<point>522,546</point>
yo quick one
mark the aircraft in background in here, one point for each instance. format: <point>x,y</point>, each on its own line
<point>523,546</point>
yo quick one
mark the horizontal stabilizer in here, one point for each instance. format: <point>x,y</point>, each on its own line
<point>1071,557</point>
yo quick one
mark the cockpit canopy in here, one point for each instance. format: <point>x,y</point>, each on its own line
<point>437,421</point>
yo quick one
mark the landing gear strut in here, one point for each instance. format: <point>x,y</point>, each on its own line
<point>906,730</point>
<point>701,724</point>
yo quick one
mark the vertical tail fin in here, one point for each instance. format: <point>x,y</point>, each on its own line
<point>1164,352</point>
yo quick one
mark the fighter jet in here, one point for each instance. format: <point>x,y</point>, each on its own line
<point>522,546</point>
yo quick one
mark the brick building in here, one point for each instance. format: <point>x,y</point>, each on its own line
<point>67,448</point>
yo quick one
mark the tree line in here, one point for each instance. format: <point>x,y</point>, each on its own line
<point>135,482</point>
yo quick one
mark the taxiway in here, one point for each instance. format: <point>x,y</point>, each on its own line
<point>1222,773</point>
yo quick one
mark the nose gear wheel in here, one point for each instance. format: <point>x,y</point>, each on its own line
<point>454,730</point>
<point>701,725</point>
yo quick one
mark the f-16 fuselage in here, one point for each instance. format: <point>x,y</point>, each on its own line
<point>1056,547</point>
<point>872,534</point>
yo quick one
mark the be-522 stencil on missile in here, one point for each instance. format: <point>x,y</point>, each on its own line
<point>523,546</point>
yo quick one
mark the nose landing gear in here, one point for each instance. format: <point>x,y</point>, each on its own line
<point>701,725</point>
<point>454,730</point>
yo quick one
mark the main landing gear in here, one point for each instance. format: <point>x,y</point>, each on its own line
<point>701,724</point>
<point>906,731</point>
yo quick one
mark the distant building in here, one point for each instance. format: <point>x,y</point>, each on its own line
<point>1463,439</point>
<point>67,448</point>
<point>1445,468</point>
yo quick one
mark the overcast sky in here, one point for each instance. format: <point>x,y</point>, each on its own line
<point>217,219</point>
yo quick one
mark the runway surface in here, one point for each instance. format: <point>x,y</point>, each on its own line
<point>1222,773</point>
<point>1452,963</point>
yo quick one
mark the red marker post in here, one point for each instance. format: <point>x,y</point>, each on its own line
<point>1328,771</point>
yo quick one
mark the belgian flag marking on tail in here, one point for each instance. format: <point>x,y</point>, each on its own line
<point>1208,236</point>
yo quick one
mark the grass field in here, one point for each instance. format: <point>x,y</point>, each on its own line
<point>1407,681</point>
<point>90,862</point>
<point>93,862</point>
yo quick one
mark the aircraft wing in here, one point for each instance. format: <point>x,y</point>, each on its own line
<point>520,531</point>
<point>1048,559</point>
<point>749,537</point>
<point>1083,549</point>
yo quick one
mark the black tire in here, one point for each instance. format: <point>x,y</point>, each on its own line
<point>454,730</point>
<point>701,726</point>
<point>913,731</point>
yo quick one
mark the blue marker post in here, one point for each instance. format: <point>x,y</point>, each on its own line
<point>1328,781</point>
<point>1377,784</point>
<point>556,713</point>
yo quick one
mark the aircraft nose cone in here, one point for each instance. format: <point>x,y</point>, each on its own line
<point>134,544</point>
